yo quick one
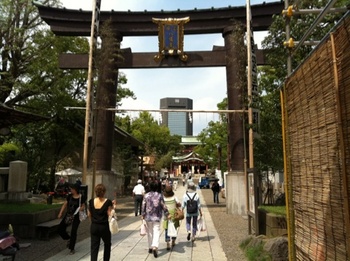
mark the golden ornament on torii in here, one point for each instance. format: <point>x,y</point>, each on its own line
<point>170,37</point>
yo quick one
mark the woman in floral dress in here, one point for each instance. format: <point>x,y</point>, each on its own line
<point>153,207</point>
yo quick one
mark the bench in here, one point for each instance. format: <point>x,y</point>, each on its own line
<point>44,229</point>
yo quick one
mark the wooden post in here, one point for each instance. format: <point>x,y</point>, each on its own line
<point>342,147</point>
<point>96,4</point>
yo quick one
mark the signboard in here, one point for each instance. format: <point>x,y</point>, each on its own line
<point>251,196</point>
<point>253,201</point>
<point>171,37</point>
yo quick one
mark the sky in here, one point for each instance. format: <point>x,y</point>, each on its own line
<point>205,86</point>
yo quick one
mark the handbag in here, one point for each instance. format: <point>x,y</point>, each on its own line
<point>143,228</point>
<point>179,214</point>
<point>68,219</point>
<point>113,223</point>
<point>201,225</point>
<point>172,232</point>
<point>82,215</point>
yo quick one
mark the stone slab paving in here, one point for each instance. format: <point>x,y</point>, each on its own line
<point>128,245</point>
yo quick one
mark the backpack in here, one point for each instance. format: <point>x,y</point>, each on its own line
<point>192,205</point>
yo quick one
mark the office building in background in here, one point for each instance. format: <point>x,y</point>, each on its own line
<point>180,123</point>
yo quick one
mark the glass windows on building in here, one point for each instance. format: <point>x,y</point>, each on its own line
<point>177,123</point>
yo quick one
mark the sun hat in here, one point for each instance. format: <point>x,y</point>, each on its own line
<point>168,191</point>
<point>191,187</point>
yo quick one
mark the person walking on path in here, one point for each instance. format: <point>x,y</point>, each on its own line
<point>153,206</point>
<point>138,193</point>
<point>73,204</point>
<point>192,204</point>
<point>216,190</point>
<point>99,210</point>
<point>171,203</point>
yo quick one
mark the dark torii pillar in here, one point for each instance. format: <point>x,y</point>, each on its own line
<point>106,95</point>
<point>236,199</point>
<point>235,77</point>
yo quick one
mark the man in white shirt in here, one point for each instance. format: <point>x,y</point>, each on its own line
<point>137,193</point>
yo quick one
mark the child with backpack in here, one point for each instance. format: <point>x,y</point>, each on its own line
<point>192,204</point>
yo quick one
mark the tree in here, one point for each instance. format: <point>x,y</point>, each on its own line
<point>268,148</point>
<point>157,138</point>
<point>19,29</point>
<point>30,80</point>
<point>213,136</point>
<point>8,153</point>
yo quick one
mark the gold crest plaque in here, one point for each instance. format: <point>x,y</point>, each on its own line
<point>171,37</point>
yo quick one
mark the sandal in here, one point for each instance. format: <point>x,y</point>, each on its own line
<point>155,252</point>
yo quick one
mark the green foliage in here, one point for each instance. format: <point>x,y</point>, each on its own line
<point>254,252</point>
<point>8,152</point>
<point>165,161</point>
<point>26,208</point>
<point>212,136</point>
<point>278,210</point>
<point>268,150</point>
<point>157,138</point>
<point>257,253</point>
<point>31,81</point>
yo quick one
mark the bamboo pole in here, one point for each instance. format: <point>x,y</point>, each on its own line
<point>342,145</point>
<point>250,42</point>
<point>89,92</point>
<point>287,184</point>
<point>250,85</point>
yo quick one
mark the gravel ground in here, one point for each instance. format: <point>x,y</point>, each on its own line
<point>232,229</point>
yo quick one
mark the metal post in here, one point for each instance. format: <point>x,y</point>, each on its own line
<point>315,23</point>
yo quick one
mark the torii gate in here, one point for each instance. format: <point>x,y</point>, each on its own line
<point>66,22</point>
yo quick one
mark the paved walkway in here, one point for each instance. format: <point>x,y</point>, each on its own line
<point>127,244</point>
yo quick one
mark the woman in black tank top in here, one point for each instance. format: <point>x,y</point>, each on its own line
<point>99,210</point>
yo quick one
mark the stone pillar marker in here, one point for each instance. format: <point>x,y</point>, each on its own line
<point>17,181</point>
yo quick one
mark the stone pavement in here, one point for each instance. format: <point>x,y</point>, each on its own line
<point>127,244</point>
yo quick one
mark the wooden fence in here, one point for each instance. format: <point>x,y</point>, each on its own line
<point>316,116</point>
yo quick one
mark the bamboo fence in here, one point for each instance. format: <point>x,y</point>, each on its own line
<point>316,112</point>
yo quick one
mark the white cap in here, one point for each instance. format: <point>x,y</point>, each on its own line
<point>139,181</point>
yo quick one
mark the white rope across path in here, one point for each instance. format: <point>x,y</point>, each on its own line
<point>160,110</point>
